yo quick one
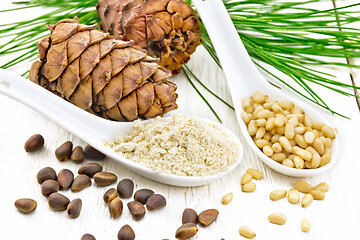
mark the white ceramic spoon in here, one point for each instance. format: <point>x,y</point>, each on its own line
<point>244,79</point>
<point>92,129</point>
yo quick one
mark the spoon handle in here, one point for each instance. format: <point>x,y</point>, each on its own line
<point>74,119</point>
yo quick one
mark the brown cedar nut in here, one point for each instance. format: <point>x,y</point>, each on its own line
<point>90,169</point>
<point>80,182</point>
<point>74,208</point>
<point>136,209</point>
<point>65,179</point>
<point>63,153</point>
<point>25,205</point>
<point>186,231</point>
<point>77,154</point>
<point>115,208</point>
<point>45,174</point>
<point>103,179</point>
<point>34,143</point>
<point>88,236</point>
<point>109,195</point>
<point>58,202</point>
<point>92,153</point>
<point>189,216</point>
<point>125,188</point>
<point>155,202</point>
<point>48,187</point>
<point>208,216</point>
<point>142,195</point>
<point>126,233</point>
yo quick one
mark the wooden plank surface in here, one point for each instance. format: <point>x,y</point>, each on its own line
<point>337,217</point>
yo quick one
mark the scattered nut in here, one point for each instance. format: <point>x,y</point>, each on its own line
<point>115,208</point>
<point>305,225</point>
<point>248,187</point>
<point>34,143</point>
<point>307,199</point>
<point>126,233</point>
<point>80,182</point>
<point>25,205</point>
<point>45,174</point>
<point>246,232</point>
<point>77,154</point>
<point>103,179</point>
<point>142,195</point>
<point>48,187</point>
<point>186,231</point>
<point>277,194</point>
<point>277,218</point>
<point>93,154</point>
<point>189,216</point>
<point>317,194</point>
<point>88,236</point>
<point>110,195</point>
<point>63,153</point>
<point>208,216</point>
<point>256,174</point>
<point>65,179</point>
<point>90,169</point>
<point>58,202</point>
<point>324,187</point>
<point>303,187</point>
<point>125,188</point>
<point>136,209</point>
<point>155,201</point>
<point>246,178</point>
<point>74,208</point>
<point>293,196</point>
<point>227,198</point>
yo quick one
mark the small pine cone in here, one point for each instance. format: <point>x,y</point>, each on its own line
<point>167,29</point>
<point>101,74</point>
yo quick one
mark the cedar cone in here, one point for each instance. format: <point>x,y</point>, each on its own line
<point>167,29</point>
<point>102,74</point>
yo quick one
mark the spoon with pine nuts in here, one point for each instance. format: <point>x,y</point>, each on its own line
<point>287,134</point>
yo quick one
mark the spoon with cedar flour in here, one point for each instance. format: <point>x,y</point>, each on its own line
<point>287,135</point>
<point>176,150</point>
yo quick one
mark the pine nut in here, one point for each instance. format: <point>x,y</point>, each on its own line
<point>277,194</point>
<point>299,139</point>
<point>268,105</point>
<point>279,157</point>
<point>252,128</point>
<point>259,97</point>
<point>277,147</point>
<point>303,187</point>
<point>300,130</point>
<point>248,187</point>
<point>328,143</point>
<point>227,198</point>
<point>256,174</point>
<point>305,225</point>
<point>288,162</point>
<point>246,178</point>
<point>293,196</point>
<point>289,131</point>
<point>246,102</point>
<point>245,117</point>
<point>267,136</point>
<point>328,131</point>
<point>312,150</point>
<point>276,108</point>
<point>316,159</point>
<point>324,187</point>
<point>260,122</point>
<point>261,143</point>
<point>294,121</point>
<point>325,159</point>
<point>257,110</point>
<point>280,130</point>
<point>292,142</point>
<point>307,156</point>
<point>307,200</point>
<point>268,151</point>
<point>319,146</point>
<point>277,218</point>
<point>307,121</point>
<point>317,125</point>
<point>308,165</point>
<point>246,232</point>
<point>249,109</point>
<point>286,104</point>
<point>260,133</point>
<point>255,105</point>
<point>297,109</point>
<point>263,114</point>
<point>280,120</point>
<point>275,138</point>
<point>309,137</point>
<point>317,194</point>
<point>285,144</point>
<point>270,124</point>
<point>298,162</point>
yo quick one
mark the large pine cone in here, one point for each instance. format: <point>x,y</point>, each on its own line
<point>101,74</point>
<point>168,29</point>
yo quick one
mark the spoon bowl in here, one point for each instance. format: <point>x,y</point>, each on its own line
<point>95,130</point>
<point>244,79</point>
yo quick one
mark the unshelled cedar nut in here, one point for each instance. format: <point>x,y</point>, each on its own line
<point>186,231</point>
<point>25,205</point>
<point>74,208</point>
<point>88,236</point>
<point>58,202</point>
<point>109,195</point>
<point>126,233</point>
<point>125,188</point>
<point>115,208</point>
<point>34,143</point>
<point>142,195</point>
<point>45,174</point>
<point>63,153</point>
<point>90,169</point>
<point>48,187</point>
<point>208,216</point>
<point>103,179</point>
<point>136,209</point>
<point>93,154</point>
<point>65,179</point>
<point>77,154</point>
<point>155,202</point>
<point>80,182</point>
<point>189,216</point>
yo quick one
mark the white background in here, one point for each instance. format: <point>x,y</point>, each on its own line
<point>338,216</point>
